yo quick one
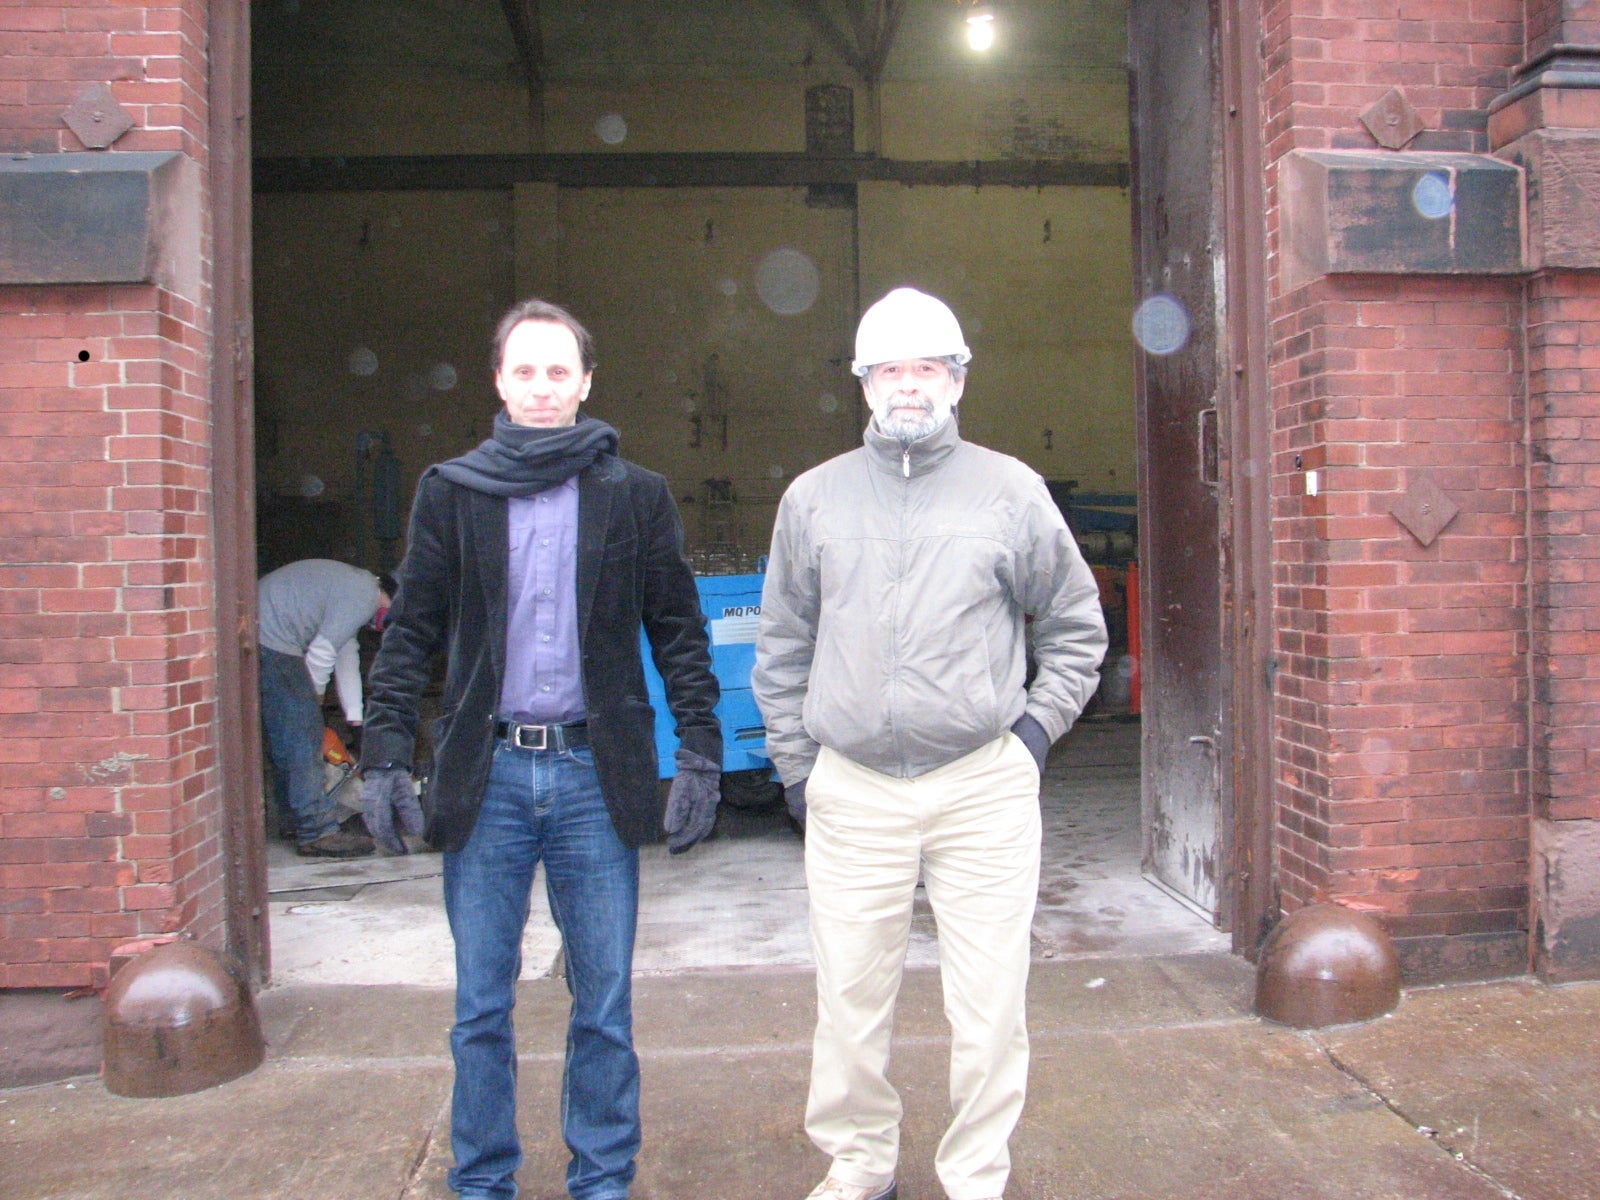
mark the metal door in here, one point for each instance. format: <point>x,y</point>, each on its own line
<point>1177,253</point>
<point>238,714</point>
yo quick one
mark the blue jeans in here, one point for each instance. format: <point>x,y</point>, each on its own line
<point>544,806</point>
<point>292,717</point>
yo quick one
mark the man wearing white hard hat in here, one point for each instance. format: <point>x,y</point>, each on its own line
<point>890,669</point>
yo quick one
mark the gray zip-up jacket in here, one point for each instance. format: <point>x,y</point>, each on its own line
<point>892,623</point>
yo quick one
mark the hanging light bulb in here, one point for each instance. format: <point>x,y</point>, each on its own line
<point>980,27</point>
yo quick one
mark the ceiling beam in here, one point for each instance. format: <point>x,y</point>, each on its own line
<point>885,25</point>
<point>465,172</point>
<point>822,22</point>
<point>863,16</point>
<point>523,18</point>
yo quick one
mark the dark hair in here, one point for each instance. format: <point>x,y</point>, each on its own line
<point>387,584</point>
<point>541,310</point>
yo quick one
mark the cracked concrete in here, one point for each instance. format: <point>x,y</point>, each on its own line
<point>1150,1078</point>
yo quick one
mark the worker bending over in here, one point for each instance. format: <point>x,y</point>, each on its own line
<point>310,612</point>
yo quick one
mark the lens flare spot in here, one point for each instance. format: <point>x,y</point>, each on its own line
<point>1161,324</point>
<point>787,282</point>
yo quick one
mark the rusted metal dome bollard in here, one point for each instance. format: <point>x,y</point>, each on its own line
<point>1327,965</point>
<point>177,1020</point>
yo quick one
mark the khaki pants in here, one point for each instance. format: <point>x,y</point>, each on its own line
<point>972,830</point>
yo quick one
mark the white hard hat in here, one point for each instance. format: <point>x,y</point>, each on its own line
<point>907,324</point>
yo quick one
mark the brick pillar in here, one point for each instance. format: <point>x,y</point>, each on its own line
<point>109,802</point>
<point>1401,675</point>
<point>1548,24</point>
<point>1548,123</point>
<point>1564,395</point>
<point>1401,685</point>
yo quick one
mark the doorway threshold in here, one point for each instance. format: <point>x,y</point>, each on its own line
<point>739,900</point>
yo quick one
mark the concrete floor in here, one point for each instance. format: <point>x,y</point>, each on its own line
<point>1150,1080</point>
<point>739,900</point>
<point>1150,1077</point>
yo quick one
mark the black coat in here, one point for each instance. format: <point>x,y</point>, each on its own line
<point>452,596</point>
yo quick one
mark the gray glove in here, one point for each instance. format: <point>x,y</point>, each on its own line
<point>1033,737</point>
<point>692,800</point>
<point>794,797</point>
<point>387,795</point>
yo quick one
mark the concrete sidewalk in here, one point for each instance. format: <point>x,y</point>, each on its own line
<point>1150,1080</point>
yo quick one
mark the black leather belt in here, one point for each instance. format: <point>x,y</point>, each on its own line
<point>543,737</point>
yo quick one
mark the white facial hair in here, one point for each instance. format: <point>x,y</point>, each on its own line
<point>905,426</point>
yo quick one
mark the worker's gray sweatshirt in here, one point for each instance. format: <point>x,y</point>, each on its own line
<point>314,608</point>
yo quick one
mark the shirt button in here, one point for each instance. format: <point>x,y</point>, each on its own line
<point>545,688</point>
<point>546,542</point>
<point>545,638</point>
<point>547,591</point>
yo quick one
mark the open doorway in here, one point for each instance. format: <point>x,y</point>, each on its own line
<point>717,189</point>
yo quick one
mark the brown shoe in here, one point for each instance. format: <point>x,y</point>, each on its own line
<point>336,845</point>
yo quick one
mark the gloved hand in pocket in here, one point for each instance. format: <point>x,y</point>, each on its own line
<point>1034,738</point>
<point>794,798</point>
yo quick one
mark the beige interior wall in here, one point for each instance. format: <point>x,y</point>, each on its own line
<point>374,312</point>
<point>1080,114</point>
<point>536,239</point>
<point>732,306</point>
<point>681,117</point>
<point>667,277</point>
<point>359,110</point>
<point>389,77</point>
<point>667,280</point>
<point>1039,279</point>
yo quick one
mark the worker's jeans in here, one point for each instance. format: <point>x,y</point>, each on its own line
<point>544,806</point>
<point>971,829</point>
<point>292,716</point>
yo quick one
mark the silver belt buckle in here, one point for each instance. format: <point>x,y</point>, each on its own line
<point>518,730</point>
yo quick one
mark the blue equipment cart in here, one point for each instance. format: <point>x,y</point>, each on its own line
<point>732,604</point>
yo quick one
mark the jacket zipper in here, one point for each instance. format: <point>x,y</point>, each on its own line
<point>899,592</point>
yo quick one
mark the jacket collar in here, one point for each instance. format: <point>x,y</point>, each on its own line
<point>921,456</point>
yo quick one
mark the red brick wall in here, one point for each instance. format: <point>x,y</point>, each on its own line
<point>1402,668</point>
<point>153,57</point>
<point>1564,385</point>
<point>1541,25</point>
<point>1328,60</point>
<point>1560,22</point>
<point>109,805</point>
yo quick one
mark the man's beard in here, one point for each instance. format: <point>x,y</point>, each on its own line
<point>906,426</point>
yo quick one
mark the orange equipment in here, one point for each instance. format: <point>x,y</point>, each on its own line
<point>333,750</point>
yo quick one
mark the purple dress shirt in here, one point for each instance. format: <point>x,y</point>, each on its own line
<point>544,676</point>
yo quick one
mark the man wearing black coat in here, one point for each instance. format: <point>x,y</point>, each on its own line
<point>532,561</point>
